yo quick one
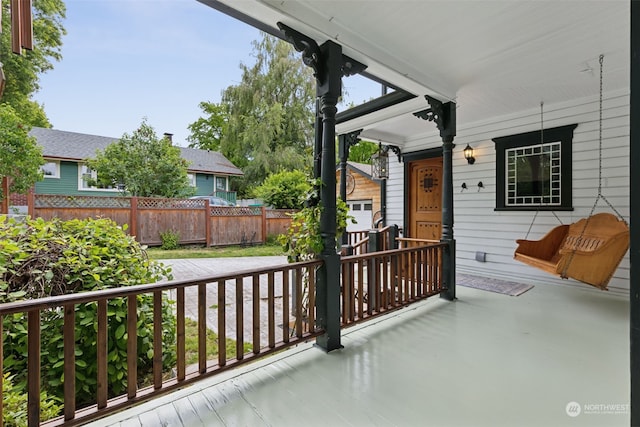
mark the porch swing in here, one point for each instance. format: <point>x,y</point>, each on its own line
<point>588,250</point>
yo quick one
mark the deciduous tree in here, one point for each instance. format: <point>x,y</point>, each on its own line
<point>23,71</point>
<point>20,154</point>
<point>143,164</point>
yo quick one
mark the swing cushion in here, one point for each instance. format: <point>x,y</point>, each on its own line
<point>589,255</point>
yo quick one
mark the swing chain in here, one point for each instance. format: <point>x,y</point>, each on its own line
<point>600,195</point>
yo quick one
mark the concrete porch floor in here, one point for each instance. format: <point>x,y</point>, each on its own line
<point>485,360</point>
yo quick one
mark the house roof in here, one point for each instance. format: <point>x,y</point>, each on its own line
<point>361,168</point>
<point>493,58</point>
<point>59,144</point>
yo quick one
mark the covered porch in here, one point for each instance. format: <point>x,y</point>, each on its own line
<point>485,360</point>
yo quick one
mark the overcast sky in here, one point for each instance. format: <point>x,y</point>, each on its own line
<point>128,59</point>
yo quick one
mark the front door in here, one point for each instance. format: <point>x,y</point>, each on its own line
<point>425,199</point>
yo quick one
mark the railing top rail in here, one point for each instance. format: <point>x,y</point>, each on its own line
<point>125,291</point>
<point>353,258</point>
<point>410,239</point>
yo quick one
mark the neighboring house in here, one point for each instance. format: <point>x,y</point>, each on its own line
<point>363,195</point>
<point>65,172</point>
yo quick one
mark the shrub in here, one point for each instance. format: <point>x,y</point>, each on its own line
<point>170,240</point>
<point>284,190</point>
<point>41,258</point>
<point>14,404</point>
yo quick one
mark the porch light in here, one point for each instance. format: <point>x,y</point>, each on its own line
<point>380,163</point>
<point>468,154</point>
<point>2,80</point>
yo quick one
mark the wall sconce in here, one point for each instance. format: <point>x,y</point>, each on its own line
<point>2,80</point>
<point>380,161</point>
<point>468,154</point>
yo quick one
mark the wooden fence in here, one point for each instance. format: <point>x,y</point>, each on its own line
<point>193,220</point>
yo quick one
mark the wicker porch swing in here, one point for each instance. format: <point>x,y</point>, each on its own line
<point>588,250</point>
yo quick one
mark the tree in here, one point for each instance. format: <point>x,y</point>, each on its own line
<point>206,132</point>
<point>20,154</point>
<point>145,165</point>
<point>362,152</point>
<point>22,71</point>
<point>284,190</point>
<point>270,118</point>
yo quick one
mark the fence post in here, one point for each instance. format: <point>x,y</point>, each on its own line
<point>133,218</point>
<point>5,196</point>
<point>207,223</point>
<point>264,224</point>
<point>31,203</point>
<point>394,233</point>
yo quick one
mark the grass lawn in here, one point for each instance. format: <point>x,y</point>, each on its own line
<point>191,344</point>
<point>215,252</point>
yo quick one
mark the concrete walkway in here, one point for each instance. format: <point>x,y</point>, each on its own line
<point>192,269</point>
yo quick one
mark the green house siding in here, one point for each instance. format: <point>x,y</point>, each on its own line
<point>67,183</point>
<point>204,184</point>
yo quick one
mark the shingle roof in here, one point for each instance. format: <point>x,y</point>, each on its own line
<point>61,144</point>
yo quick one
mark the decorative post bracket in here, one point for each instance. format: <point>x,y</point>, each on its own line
<point>443,114</point>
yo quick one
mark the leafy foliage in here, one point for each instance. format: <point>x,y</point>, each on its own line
<point>362,152</point>
<point>20,154</point>
<point>40,258</point>
<point>284,190</point>
<point>303,240</point>
<point>206,132</point>
<point>145,165</point>
<point>170,240</point>
<point>14,404</point>
<point>270,114</point>
<point>23,71</point>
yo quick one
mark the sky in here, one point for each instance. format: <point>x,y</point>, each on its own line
<point>126,60</point>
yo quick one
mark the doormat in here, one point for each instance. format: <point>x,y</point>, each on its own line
<point>493,285</point>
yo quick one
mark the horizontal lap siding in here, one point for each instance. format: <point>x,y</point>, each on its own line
<point>479,228</point>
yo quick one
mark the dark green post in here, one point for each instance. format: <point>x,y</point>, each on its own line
<point>444,116</point>
<point>345,141</point>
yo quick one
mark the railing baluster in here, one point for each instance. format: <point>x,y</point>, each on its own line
<point>33,368</point>
<point>69,339</point>
<point>180,334</point>
<point>101,351</point>
<point>256,313</point>
<point>239,319</point>
<point>299,298</point>
<point>346,293</point>
<point>222,323</point>
<point>361,289</point>
<point>157,340</point>
<point>311,309</point>
<point>271,309</point>
<point>202,328</point>
<point>132,346</point>
<point>285,305</point>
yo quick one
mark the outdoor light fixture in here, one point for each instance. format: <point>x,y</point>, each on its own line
<point>380,163</point>
<point>2,80</point>
<point>468,154</point>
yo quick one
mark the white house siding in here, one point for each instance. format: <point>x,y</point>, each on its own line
<point>478,228</point>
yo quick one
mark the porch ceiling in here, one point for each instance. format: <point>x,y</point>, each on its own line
<point>491,57</point>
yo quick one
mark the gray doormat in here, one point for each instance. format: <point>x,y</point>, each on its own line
<point>493,285</point>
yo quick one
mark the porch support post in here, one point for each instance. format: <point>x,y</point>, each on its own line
<point>444,116</point>
<point>345,141</point>
<point>329,65</point>
<point>634,191</point>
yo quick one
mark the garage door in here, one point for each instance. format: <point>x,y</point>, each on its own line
<point>362,211</point>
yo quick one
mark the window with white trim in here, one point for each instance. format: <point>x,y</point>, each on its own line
<point>85,174</point>
<point>534,170</point>
<point>51,169</point>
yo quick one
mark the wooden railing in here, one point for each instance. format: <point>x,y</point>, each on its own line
<point>375,283</point>
<point>240,301</point>
<point>359,240</point>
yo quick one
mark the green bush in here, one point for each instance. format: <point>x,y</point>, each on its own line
<point>170,240</point>
<point>14,404</point>
<point>41,258</point>
<point>284,190</point>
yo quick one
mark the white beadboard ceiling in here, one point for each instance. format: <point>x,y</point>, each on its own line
<point>491,57</point>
